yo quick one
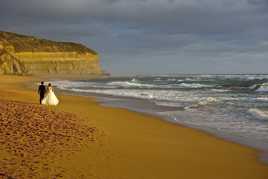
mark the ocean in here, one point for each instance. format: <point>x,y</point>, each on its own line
<point>234,107</point>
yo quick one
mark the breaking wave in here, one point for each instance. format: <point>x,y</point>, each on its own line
<point>260,114</point>
<point>262,87</point>
<point>131,84</point>
<point>195,85</point>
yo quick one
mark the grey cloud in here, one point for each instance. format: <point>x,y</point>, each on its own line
<point>169,16</point>
<point>147,29</point>
<point>258,2</point>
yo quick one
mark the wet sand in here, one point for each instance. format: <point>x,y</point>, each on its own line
<point>113,143</point>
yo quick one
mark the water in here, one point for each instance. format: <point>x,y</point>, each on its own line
<point>231,106</point>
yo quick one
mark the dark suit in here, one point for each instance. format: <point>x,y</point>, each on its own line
<point>41,92</point>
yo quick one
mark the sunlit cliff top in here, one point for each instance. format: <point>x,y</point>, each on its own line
<point>23,43</point>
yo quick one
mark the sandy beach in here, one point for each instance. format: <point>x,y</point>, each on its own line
<point>83,139</point>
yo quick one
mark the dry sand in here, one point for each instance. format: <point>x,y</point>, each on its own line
<point>123,144</point>
<point>32,134</point>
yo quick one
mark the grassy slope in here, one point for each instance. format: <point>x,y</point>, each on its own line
<point>23,43</point>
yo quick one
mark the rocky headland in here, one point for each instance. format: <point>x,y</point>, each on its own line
<point>21,54</point>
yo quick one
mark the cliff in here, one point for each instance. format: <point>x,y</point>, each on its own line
<point>20,54</point>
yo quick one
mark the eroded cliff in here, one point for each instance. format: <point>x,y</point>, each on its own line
<point>20,54</point>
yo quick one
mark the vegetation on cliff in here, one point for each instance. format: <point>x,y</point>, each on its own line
<point>23,43</point>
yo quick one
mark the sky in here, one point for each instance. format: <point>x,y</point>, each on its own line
<point>152,36</point>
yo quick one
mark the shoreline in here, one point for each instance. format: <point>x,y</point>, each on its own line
<point>148,125</point>
<point>99,98</point>
<point>262,154</point>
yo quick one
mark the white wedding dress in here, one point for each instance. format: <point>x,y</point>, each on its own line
<point>50,98</point>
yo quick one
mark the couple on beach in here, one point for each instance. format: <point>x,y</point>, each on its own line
<point>47,96</point>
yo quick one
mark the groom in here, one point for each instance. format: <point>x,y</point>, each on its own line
<point>41,91</point>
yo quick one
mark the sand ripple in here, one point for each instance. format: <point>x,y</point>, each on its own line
<point>31,134</point>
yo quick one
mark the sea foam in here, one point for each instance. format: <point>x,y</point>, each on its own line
<point>260,114</point>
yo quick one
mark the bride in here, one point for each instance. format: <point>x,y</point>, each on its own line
<point>50,98</point>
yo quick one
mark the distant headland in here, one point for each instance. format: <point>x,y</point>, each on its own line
<point>21,54</point>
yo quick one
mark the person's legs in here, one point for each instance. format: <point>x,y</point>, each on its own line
<point>41,98</point>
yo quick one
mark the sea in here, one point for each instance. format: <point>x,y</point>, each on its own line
<point>233,107</point>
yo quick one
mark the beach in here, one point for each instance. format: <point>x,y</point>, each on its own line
<point>110,143</point>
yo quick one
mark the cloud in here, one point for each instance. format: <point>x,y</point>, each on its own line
<point>191,29</point>
<point>177,16</point>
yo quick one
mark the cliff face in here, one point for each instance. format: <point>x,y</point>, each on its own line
<point>21,54</point>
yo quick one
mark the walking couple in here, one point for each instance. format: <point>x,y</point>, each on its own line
<point>47,96</point>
